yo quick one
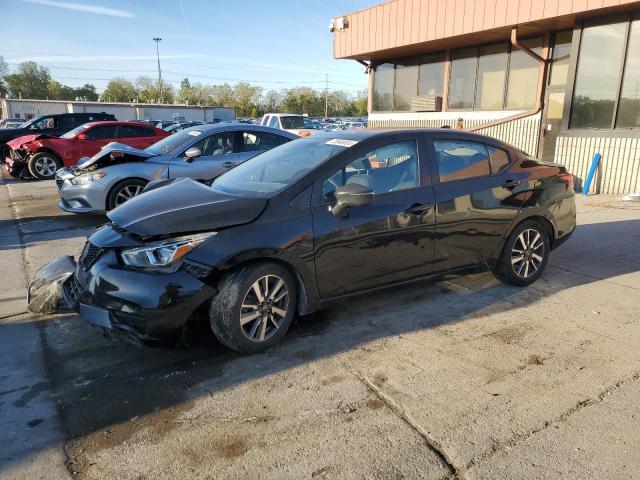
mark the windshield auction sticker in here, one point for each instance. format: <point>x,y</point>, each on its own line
<point>342,142</point>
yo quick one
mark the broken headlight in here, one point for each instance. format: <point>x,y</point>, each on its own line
<point>164,255</point>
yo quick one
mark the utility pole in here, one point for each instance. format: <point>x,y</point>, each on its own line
<point>326,95</point>
<point>157,40</point>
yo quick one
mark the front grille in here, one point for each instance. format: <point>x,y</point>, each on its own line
<point>89,255</point>
<point>72,290</point>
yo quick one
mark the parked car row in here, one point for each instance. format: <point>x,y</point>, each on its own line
<point>289,223</point>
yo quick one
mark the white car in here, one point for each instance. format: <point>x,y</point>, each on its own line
<point>291,122</point>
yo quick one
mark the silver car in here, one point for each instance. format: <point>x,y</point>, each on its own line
<point>119,172</point>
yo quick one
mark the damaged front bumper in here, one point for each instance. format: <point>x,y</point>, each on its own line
<point>46,293</point>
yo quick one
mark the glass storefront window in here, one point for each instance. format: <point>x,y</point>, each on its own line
<point>629,106</point>
<point>462,84</point>
<point>599,61</point>
<point>560,59</point>
<point>523,76</point>
<point>406,84</point>
<point>383,88</point>
<point>431,77</point>
<point>492,73</point>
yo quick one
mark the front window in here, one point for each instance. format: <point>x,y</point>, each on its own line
<point>268,173</point>
<point>170,143</point>
<point>43,123</point>
<point>292,122</point>
<point>74,132</point>
<point>389,168</point>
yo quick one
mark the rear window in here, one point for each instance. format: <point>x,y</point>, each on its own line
<point>292,122</point>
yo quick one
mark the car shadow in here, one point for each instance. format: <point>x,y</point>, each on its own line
<point>42,228</point>
<point>91,376</point>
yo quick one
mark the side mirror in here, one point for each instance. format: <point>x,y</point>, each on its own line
<point>351,195</point>
<point>192,153</point>
<point>82,136</point>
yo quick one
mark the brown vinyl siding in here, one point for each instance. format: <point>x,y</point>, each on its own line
<point>403,25</point>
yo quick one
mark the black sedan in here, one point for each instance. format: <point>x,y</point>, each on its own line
<point>310,221</point>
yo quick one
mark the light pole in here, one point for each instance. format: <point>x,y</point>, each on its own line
<point>157,40</point>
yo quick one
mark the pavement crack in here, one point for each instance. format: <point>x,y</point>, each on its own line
<point>434,445</point>
<point>563,417</point>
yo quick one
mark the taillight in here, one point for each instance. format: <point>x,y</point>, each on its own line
<point>567,178</point>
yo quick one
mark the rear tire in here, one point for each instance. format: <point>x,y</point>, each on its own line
<point>43,165</point>
<point>124,191</point>
<point>525,254</point>
<point>254,307</point>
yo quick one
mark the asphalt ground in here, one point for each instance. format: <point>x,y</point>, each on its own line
<point>464,377</point>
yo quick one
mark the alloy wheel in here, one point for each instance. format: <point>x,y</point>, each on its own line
<point>127,193</point>
<point>527,253</point>
<point>264,308</point>
<point>45,166</point>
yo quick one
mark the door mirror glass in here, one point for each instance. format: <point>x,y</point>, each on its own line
<point>192,153</point>
<point>351,195</point>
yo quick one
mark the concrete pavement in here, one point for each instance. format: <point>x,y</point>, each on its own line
<point>463,378</point>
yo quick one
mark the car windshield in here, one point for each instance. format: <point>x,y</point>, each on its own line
<point>294,121</point>
<point>74,132</point>
<point>268,173</point>
<point>170,143</point>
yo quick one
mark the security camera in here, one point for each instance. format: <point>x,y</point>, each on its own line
<point>332,26</point>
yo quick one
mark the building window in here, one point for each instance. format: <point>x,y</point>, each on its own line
<point>523,76</point>
<point>383,88</point>
<point>492,73</point>
<point>560,59</point>
<point>431,78</point>
<point>599,62</point>
<point>462,84</point>
<point>629,107</point>
<point>406,84</point>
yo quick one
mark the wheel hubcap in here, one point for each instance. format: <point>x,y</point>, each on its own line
<point>127,193</point>
<point>45,166</point>
<point>264,308</point>
<point>527,253</point>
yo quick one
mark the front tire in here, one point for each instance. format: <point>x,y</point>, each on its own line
<point>525,254</point>
<point>43,165</point>
<point>124,191</point>
<point>254,307</point>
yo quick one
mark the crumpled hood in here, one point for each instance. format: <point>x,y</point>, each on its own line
<point>17,142</point>
<point>110,148</point>
<point>184,206</point>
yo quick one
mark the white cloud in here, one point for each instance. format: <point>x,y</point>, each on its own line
<point>97,58</point>
<point>83,7</point>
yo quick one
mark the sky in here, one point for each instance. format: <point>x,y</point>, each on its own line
<point>275,44</point>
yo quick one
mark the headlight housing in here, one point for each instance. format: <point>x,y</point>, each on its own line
<point>87,178</point>
<point>164,256</point>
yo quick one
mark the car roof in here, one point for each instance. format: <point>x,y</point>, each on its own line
<point>360,134</point>
<point>118,122</point>
<point>221,127</point>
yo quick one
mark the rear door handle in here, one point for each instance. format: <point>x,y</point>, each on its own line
<point>511,184</point>
<point>418,208</point>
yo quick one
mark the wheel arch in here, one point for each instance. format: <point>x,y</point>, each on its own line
<point>538,216</point>
<point>116,184</point>
<point>304,303</point>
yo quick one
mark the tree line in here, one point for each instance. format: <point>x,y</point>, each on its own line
<point>33,81</point>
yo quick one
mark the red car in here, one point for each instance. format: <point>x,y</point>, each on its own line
<point>40,156</point>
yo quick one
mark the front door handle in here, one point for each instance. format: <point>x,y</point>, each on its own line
<point>511,184</point>
<point>418,208</point>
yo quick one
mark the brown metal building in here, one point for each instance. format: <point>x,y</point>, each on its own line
<point>559,79</point>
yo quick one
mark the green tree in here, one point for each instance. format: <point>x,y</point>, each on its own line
<point>119,90</point>
<point>246,97</point>
<point>30,81</point>
<point>58,91</point>
<point>4,70</point>
<point>87,91</point>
